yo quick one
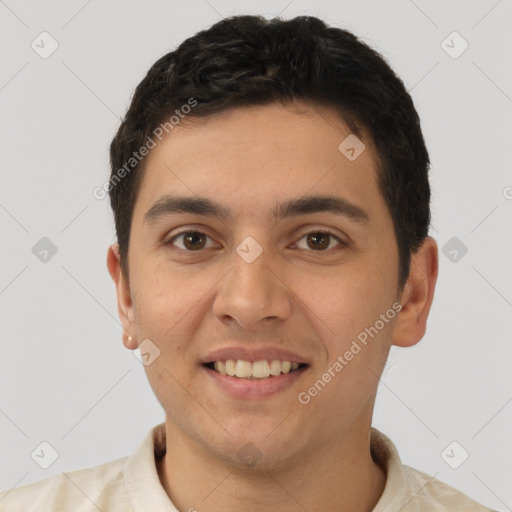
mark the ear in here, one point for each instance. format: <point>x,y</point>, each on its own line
<point>417,295</point>
<point>124,300</point>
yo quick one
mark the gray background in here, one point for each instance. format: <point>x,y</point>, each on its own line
<point>65,377</point>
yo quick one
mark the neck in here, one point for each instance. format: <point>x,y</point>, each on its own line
<point>343,476</point>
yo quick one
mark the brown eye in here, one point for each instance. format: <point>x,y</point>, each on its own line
<point>319,241</point>
<point>191,240</point>
<point>194,240</point>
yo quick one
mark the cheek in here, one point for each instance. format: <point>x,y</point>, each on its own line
<point>169,305</point>
<point>342,297</point>
<point>160,302</point>
<point>165,292</point>
<point>343,304</point>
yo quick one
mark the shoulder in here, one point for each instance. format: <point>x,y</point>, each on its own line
<point>428,493</point>
<point>81,490</point>
<point>410,490</point>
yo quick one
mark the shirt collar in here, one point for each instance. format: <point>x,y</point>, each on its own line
<point>145,491</point>
<point>384,454</point>
<point>141,480</point>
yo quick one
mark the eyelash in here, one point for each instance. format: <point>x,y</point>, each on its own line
<point>341,243</point>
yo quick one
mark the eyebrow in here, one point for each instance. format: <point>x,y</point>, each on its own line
<point>168,205</point>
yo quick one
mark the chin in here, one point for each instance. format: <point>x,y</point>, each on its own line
<point>256,449</point>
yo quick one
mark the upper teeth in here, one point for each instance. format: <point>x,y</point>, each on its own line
<point>258,369</point>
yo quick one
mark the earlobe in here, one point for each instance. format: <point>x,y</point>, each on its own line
<point>129,342</point>
<point>417,295</point>
<point>124,301</point>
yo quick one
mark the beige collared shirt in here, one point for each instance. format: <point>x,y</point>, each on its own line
<point>132,484</point>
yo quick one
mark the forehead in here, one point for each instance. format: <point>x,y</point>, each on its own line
<point>250,158</point>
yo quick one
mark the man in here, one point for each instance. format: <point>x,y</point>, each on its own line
<point>271,200</point>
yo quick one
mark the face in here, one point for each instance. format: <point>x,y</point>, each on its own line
<point>248,266</point>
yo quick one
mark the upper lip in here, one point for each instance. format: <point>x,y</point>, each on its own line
<point>252,355</point>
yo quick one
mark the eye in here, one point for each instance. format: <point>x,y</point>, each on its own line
<point>191,241</point>
<point>319,241</point>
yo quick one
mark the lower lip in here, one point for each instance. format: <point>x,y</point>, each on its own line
<point>254,389</point>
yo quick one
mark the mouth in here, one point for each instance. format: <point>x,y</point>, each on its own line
<point>257,370</point>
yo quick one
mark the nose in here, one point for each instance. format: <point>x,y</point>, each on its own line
<point>253,294</point>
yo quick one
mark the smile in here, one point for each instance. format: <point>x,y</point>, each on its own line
<point>257,370</point>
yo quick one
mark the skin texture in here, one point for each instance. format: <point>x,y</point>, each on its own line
<point>293,296</point>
